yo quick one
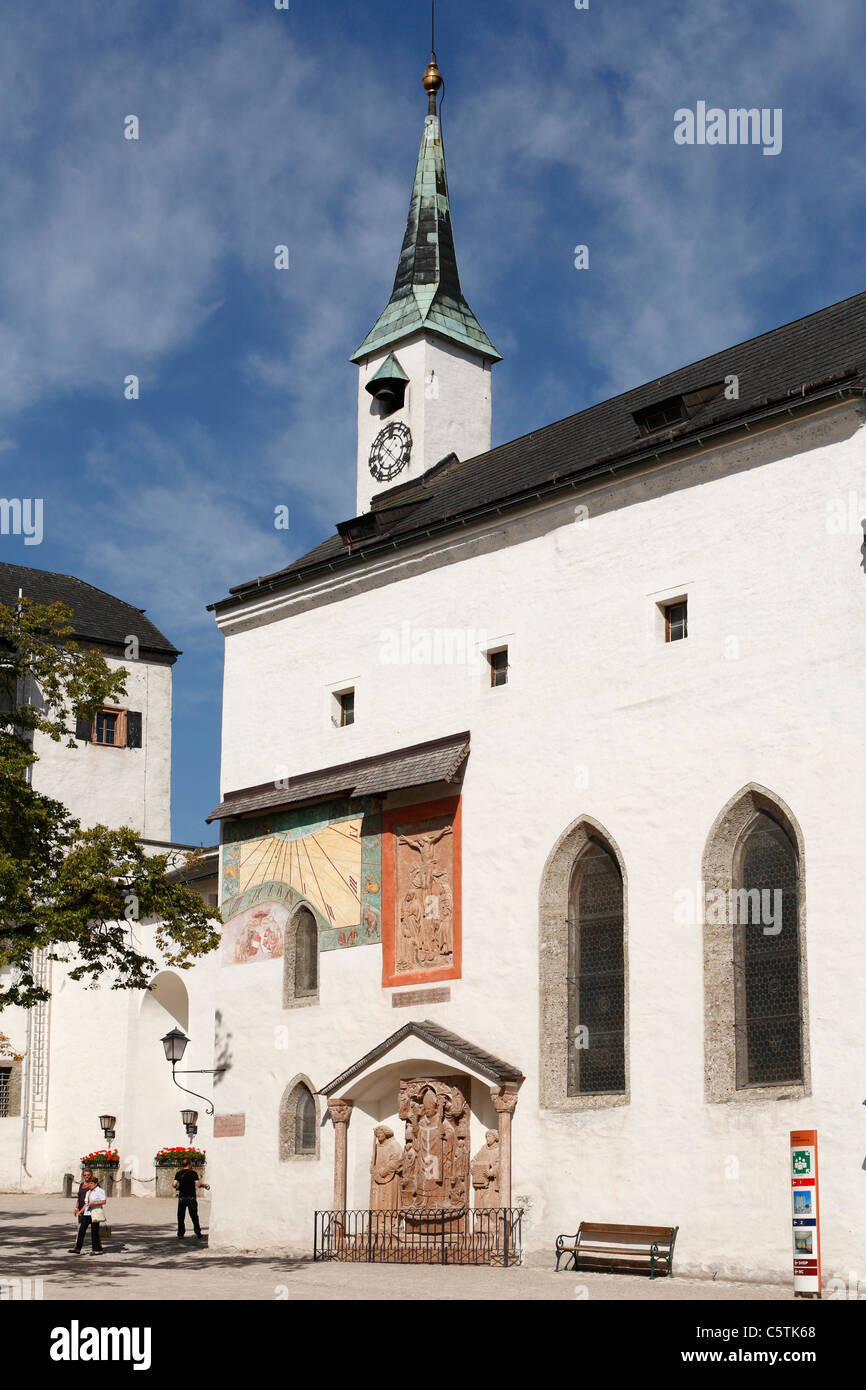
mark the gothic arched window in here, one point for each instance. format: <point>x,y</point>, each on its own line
<point>596,975</point>
<point>306,953</point>
<point>765,919</point>
<point>301,959</point>
<point>299,1121</point>
<point>305,1129</point>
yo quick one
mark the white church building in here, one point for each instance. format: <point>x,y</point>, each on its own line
<point>544,785</point>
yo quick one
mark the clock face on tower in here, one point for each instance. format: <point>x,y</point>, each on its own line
<point>390,452</point>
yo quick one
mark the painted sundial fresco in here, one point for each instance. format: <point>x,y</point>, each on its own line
<point>326,857</point>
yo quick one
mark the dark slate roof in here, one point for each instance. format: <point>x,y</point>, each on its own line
<point>817,358</point>
<point>97,616</point>
<point>427,293</point>
<point>439,760</point>
<point>450,1043</point>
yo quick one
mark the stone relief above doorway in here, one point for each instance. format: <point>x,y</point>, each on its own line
<point>433,1167</point>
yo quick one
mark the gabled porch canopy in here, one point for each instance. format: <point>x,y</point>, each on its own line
<point>504,1081</point>
<point>475,1059</point>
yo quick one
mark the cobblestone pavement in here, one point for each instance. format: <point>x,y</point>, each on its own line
<point>145,1260</point>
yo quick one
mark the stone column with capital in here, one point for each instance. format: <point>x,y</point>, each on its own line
<point>504,1100</point>
<point>340,1112</point>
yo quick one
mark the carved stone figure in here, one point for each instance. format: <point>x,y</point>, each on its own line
<point>485,1172</point>
<point>411,916</point>
<point>385,1170</point>
<point>425,898</point>
<point>436,1156</point>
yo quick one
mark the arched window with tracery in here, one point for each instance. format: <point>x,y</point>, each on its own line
<point>596,974</point>
<point>756,1008</point>
<point>299,1121</point>
<point>765,919</point>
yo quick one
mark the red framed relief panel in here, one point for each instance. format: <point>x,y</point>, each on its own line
<point>421,893</point>
<point>804,1211</point>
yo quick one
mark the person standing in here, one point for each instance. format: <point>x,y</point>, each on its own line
<point>86,1177</point>
<point>94,1200</point>
<point>186,1180</point>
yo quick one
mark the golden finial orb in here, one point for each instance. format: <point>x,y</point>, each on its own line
<point>432,83</point>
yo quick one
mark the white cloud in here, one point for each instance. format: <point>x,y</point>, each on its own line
<point>116,256</point>
<point>173,515</point>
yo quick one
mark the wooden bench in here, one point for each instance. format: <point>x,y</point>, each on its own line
<point>619,1249</point>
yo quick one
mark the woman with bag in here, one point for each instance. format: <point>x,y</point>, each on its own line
<point>92,1215</point>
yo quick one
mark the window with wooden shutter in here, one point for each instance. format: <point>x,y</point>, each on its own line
<point>676,621</point>
<point>109,728</point>
<point>347,708</point>
<point>498,666</point>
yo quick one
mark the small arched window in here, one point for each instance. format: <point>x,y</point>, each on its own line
<point>765,917</point>
<point>596,975</point>
<point>306,954</point>
<point>299,1122</point>
<point>305,1130</point>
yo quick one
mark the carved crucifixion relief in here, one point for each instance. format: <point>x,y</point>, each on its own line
<point>425,898</point>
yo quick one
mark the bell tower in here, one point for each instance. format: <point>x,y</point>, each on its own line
<point>424,367</point>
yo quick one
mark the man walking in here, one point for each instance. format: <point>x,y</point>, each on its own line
<point>186,1180</point>
<point>94,1200</point>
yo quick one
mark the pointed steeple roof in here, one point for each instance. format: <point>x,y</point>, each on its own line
<point>427,293</point>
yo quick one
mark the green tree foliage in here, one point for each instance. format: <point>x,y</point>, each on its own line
<point>77,893</point>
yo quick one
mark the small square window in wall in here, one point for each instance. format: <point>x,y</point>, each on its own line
<point>498,666</point>
<point>346,702</point>
<point>676,620</point>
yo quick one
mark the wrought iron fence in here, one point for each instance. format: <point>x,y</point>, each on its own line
<point>489,1236</point>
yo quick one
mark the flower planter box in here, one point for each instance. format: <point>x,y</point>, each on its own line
<point>165,1178</point>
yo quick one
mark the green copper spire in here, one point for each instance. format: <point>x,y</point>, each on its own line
<point>427,293</point>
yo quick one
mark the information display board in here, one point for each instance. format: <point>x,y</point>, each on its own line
<point>804,1212</point>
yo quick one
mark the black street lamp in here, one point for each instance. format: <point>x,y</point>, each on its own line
<point>106,1124</point>
<point>189,1118</point>
<point>175,1046</point>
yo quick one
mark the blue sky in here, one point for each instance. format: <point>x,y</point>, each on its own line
<point>260,127</point>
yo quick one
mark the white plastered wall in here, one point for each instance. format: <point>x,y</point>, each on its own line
<point>118,786</point>
<point>599,718</point>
